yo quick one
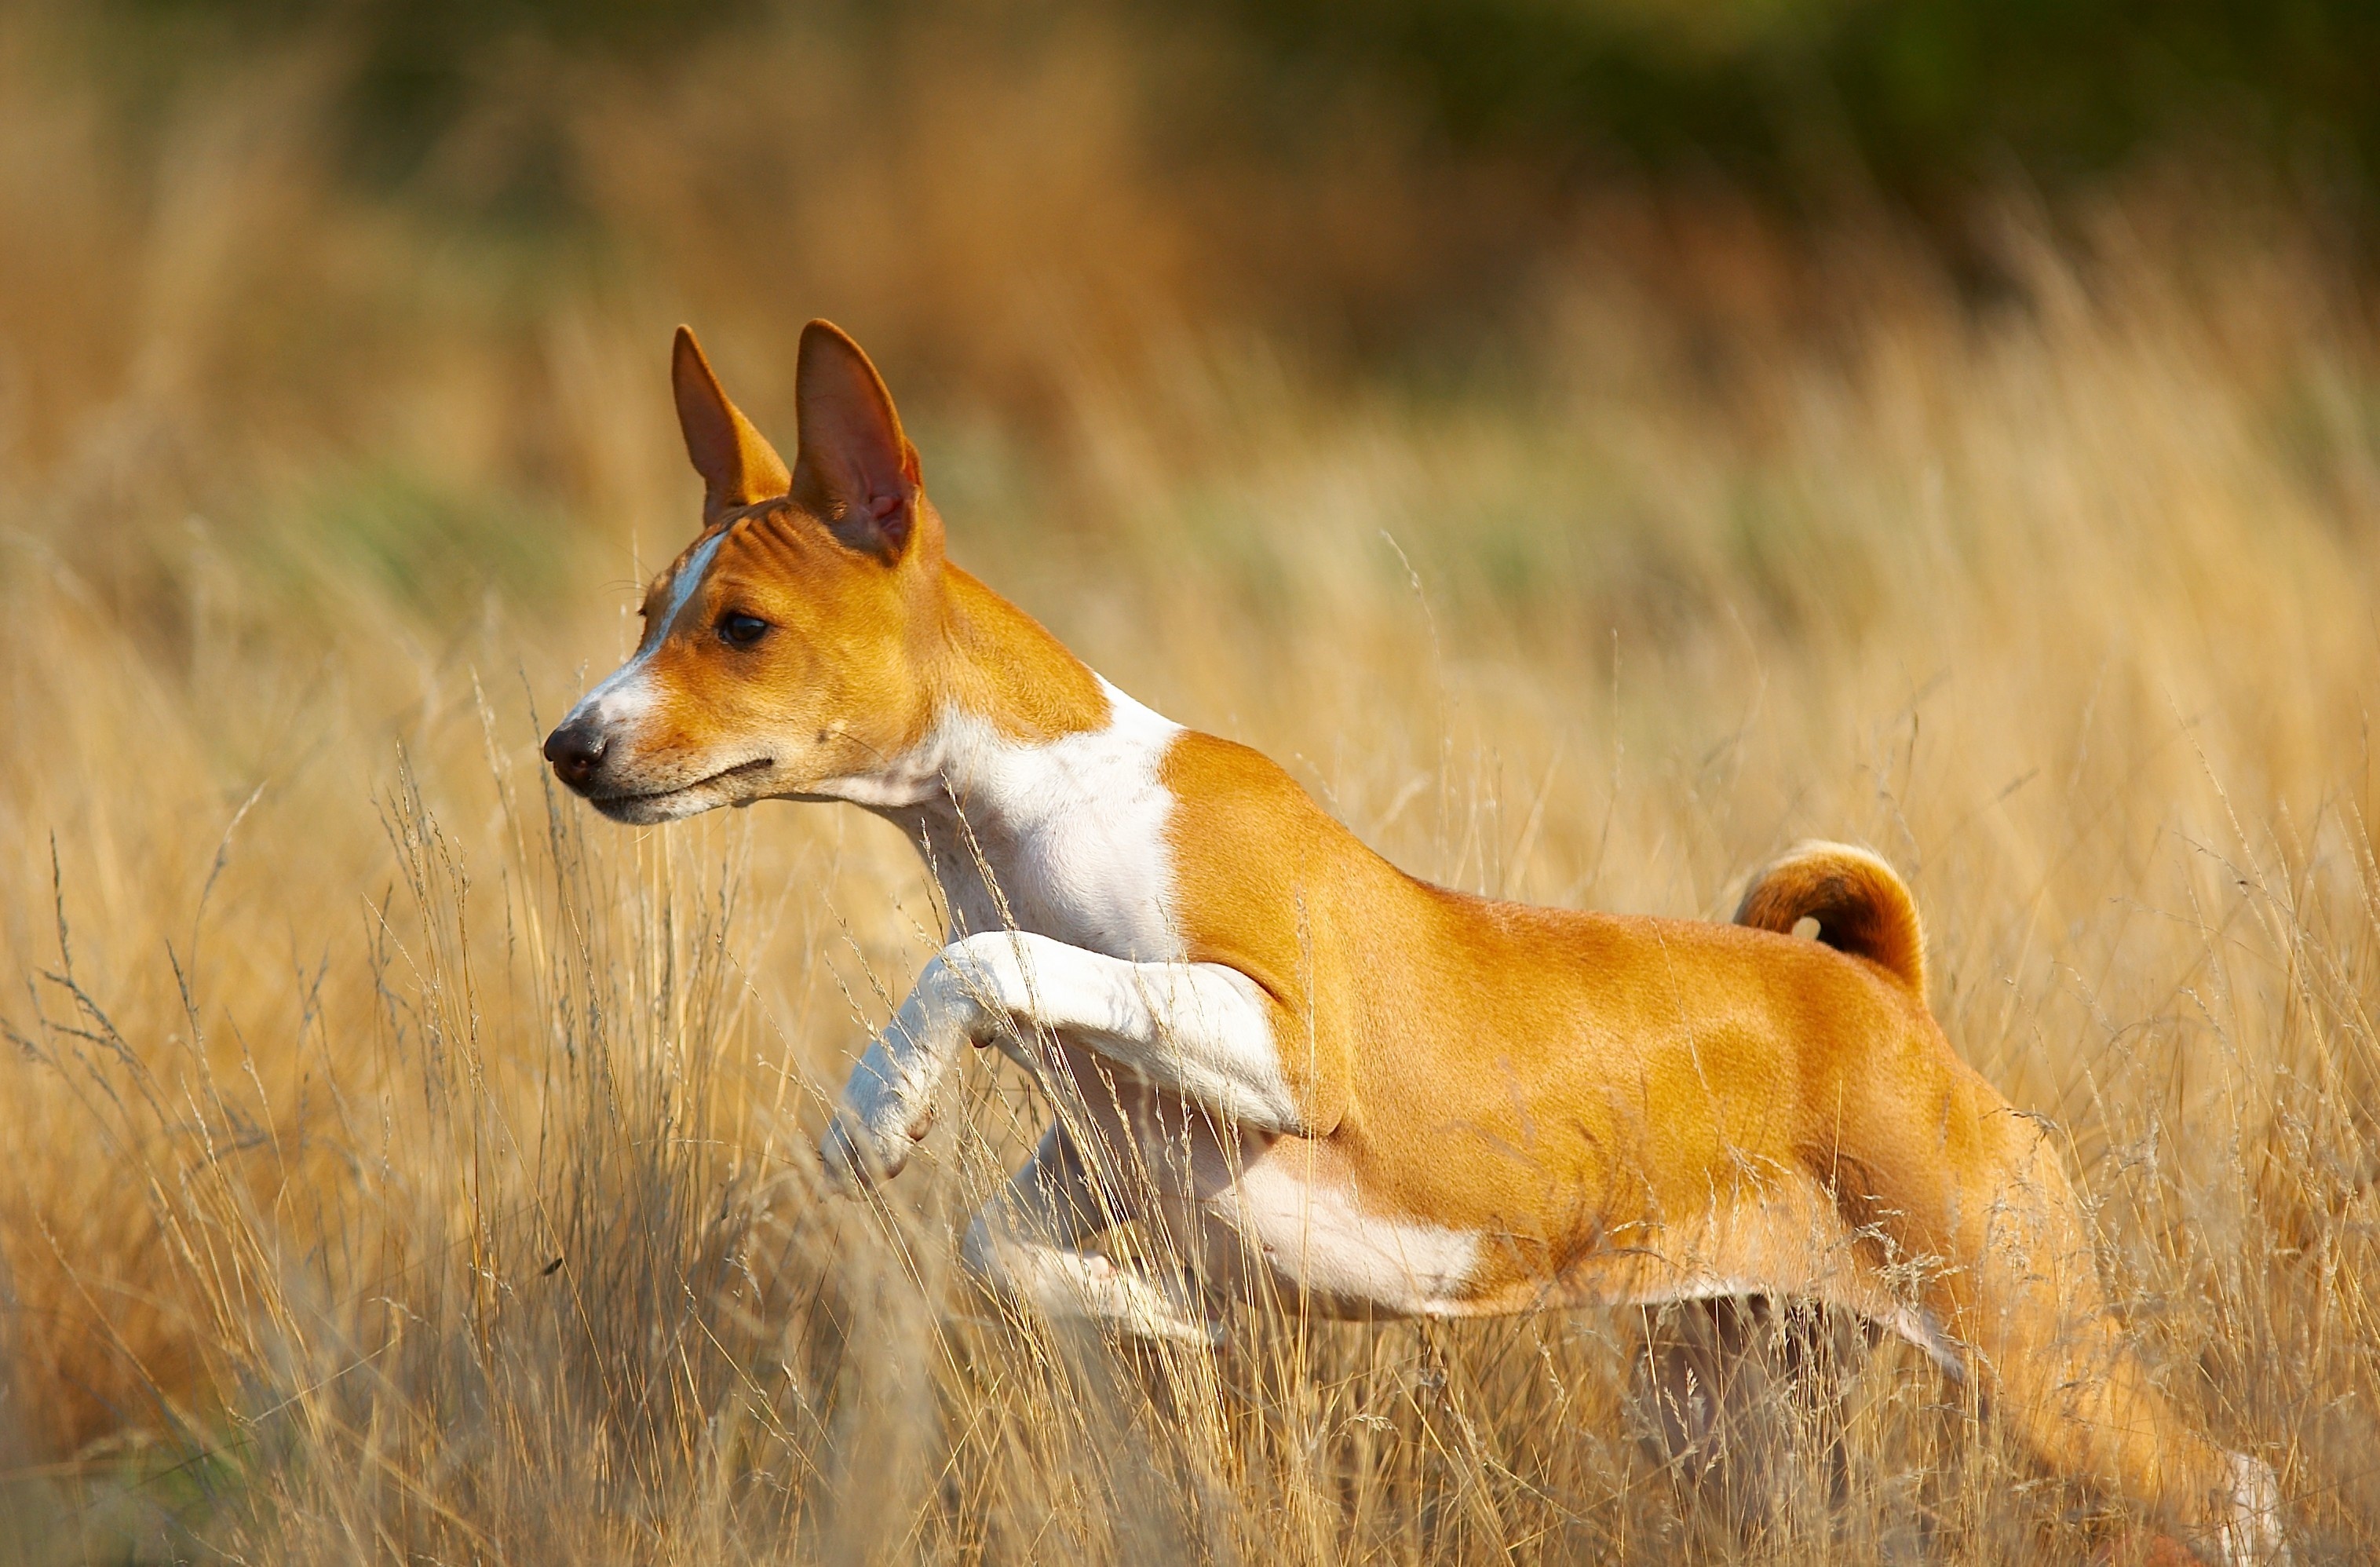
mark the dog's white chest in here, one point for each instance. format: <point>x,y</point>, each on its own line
<point>1066,839</point>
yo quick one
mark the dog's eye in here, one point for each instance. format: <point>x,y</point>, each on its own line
<point>741,630</point>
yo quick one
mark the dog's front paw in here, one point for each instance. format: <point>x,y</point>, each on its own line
<point>856,1156</point>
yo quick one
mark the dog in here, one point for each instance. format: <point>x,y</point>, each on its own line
<point>1395,1098</point>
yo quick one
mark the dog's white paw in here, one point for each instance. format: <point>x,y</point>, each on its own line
<point>2253,1537</point>
<point>856,1155</point>
<point>1160,1316</point>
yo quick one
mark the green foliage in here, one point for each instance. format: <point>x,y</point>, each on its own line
<point>1922,96</point>
<point>434,549</point>
<point>416,66</point>
<point>1785,97</point>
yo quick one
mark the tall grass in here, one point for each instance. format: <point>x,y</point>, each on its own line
<point>405,1166</point>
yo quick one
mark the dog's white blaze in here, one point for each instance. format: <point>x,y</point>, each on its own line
<point>683,586</point>
<point>627,691</point>
<point>1312,1232</point>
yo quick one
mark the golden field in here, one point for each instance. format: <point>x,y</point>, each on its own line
<point>405,1165</point>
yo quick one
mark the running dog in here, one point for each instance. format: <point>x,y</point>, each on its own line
<point>1396,1098</point>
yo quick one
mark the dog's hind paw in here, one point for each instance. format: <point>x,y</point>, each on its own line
<point>1156,1316</point>
<point>2252,1537</point>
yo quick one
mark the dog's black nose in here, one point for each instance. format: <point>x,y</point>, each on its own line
<point>576,749</point>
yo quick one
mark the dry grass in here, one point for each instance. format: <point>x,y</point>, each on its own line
<point>407,1166</point>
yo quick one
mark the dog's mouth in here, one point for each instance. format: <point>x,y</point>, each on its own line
<point>654,796</point>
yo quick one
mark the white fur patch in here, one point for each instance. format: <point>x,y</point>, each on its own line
<point>1073,829</point>
<point>1197,1029</point>
<point>1312,1232</point>
<point>626,694</point>
<point>1061,1283</point>
<point>2252,1536</point>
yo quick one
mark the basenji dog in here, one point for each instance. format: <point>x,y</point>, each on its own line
<point>1394,1097</point>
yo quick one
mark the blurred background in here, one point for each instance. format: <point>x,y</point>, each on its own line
<point>994,194</point>
<point>1591,442</point>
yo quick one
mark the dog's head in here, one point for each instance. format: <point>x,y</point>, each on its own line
<point>784,651</point>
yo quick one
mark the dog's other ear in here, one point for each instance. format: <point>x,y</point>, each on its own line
<point>855,468</point>
<point>737,465</point>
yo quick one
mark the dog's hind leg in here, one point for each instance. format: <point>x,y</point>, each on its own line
<point>1024,1247</point>
<point>2063,1372</point>
<point>2015,1286</point>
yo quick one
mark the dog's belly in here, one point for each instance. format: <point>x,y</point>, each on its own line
<point>1249,1206</point>
<point>1290,1209</point>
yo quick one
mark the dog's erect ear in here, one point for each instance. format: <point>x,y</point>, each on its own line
<point>737,465</point>
<point>855,468</point>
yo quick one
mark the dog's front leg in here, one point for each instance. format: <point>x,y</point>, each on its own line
<point>888,1103</point>
<point>1199,1029</point>
<point>1027,1248</point>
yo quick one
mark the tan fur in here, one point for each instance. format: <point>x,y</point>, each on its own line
<point>874,653</point>
<point>1858,904</point>
<point>736,462</point>
<point>1628,1104</point>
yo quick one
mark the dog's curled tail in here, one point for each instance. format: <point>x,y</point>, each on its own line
<point>1862,907</point>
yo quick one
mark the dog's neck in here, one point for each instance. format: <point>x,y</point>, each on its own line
<point>1033,795</point>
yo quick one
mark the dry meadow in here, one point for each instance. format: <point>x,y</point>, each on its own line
<point>404,1165</point>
